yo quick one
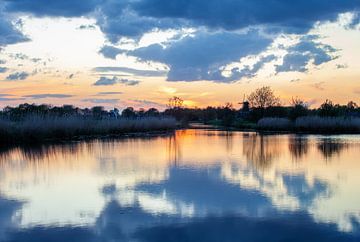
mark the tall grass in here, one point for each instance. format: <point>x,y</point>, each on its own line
<point>328,124</point>
<point>55,128</point>
<point>274,124</point>
<point>312,124</point>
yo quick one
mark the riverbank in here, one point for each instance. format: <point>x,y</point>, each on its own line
<point>302,125</point>
<point>37,130</point>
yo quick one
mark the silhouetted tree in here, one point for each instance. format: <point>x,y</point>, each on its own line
<point>128,112</point>
<point>299,108</point>
<point>175,103</point>
<point>262,98</point>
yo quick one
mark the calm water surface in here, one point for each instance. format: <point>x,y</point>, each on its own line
<point>196,185</point>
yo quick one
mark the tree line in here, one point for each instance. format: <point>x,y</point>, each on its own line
<point>259,104</point>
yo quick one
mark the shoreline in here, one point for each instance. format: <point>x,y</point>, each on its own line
<point>160,133</point>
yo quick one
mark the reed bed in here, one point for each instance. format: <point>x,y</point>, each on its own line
<point>274,124</point>
<point>312,124</point>
<point>39,129</point>
<point>328,124</point>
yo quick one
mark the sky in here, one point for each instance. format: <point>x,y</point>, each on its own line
<point>119,53</point>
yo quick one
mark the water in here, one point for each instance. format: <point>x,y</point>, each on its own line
<point>196,185</point>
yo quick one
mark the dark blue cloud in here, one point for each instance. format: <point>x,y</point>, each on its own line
<point>307,51</point>
<point>202,57</point>
<point>87,26</point>
<point>129,18</point>
<point>17,76</point>
<point>136,72</point>
<point>3,69</point>
<point>46,95</point>
<point>8,33</point>
<point>110,51</point>
<point>295,15</point>
<point>250,72</point>
<point>64,8</point>
<point>105,81</point>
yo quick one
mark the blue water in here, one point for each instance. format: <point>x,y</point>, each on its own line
<point>195,185</point>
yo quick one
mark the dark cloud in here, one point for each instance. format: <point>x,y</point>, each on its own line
<point>250,72</point>
<point>71,76</point>
<point>134,18</point>
<point>307,51</point>
<point>99,101</point>
<point>46,95</point>
<point>110,52</point>
<point>21,56</point>
<point>87,26</point>
<point>105,81</point>
<point>8,33</point>
<point>294,16</point>
<point>341,66</point>
<point>136,72</point>
<point>9,97</point>
<point>128,82</point>
<point>17,76</point>
<point>202,57</point>
<point>61,8</point>
<point>3,69</point>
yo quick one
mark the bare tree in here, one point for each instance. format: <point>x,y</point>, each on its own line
<point>263,97</point>
<point>175,103</point>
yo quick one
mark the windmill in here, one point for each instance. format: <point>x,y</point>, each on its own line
<point>245,105</point>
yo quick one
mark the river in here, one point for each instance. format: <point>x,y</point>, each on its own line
<point>194,185</point>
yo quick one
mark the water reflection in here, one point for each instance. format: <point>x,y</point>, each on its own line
<point>195,185</point>
<point>298,146</point>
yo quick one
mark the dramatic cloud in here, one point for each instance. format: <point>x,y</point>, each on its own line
<point>105,81</point>
<point>8,33</point>
<point>134,18</point>
<point>17,76</point>
<point>219,36</point>
<point>136,72</point>
<point>250,72</point>
<point>61,8</point>
<point>203,56</point>
<point>295,16</point>
<point>42,96</point>
<point>306,52</point>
